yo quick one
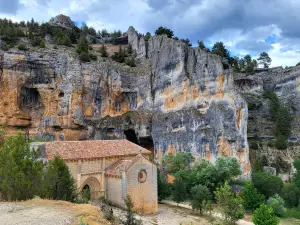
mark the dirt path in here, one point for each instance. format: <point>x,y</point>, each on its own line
<point>240,222</point>
<point>46,212</point>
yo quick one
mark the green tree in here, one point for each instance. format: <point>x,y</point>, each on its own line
<point>264,215</point>
<point>252,199</point>
<point>231,207</point>
<point>267,184</point>
<point>179,162</point>
<point>235,210</point>
<point>291,194</point>
<point>200,193</point>
<point>103,51</point>
<point>296,177</point>
<point>147,36</point>
<point>277,203</point>
<point>20,169</point>
<point>82,45</point>
<point>163,188</point>
<point>227,167</point>
<point>223,194</point>
<point>163,30</point>
<point>187,41</point>
<point>130,219</point>
<point>201,44</point>
<point>264,60</point>
<point>58,181</point>
<point>250,64</point>
<point>2,130</point>
<point>179,192</point>
<point>219,49</point>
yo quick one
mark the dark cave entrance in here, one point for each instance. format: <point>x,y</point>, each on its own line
<point>131,136</point>
<point>145,142</point>
<point>30,99</point>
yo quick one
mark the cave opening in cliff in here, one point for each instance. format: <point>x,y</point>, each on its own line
<point>147,142</point>
<point>30,100</point>
<point>131,136</point>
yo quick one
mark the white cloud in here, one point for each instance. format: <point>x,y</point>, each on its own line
<point>242,25</point>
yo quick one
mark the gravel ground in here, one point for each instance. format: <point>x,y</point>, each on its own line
<point>25,214</point>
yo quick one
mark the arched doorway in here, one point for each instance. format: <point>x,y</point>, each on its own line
<point>91,185</point>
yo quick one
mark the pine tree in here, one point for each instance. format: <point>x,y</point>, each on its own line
<point>179,190</point>
<point>58,181</point>
<point>20,169</point>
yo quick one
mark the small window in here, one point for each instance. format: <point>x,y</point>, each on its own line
<point>142,176</point>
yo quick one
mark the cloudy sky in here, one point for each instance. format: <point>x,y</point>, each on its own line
<point>245,26</point>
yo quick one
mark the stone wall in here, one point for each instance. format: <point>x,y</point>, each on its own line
<point>143,194</point>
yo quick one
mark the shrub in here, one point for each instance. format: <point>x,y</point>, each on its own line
<point>130,62</point>
<point>264,215</point>
<point>267,184</point>
<point>103,51</point>
<point>291,194</point>
<point>119,56</point>
<point>84,57</point>
<point>35,41</point>
<point>130,219</point>
<point>22,47</point>
<point>252,199</point>
<point>93,57</point>
<point>281,142</point>
<point>277,203</point>
<point>200,193</point>
<point>254,145</point>
<point>42,44</point>
<point>82,45</point>
<point>293,213</point>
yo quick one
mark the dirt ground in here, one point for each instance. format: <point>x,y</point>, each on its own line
<point>47,212</point>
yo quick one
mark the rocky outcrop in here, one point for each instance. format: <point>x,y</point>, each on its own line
<point>62,21</point>
<point>178,98</point>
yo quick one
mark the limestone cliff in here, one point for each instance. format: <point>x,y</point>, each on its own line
<point>285,83</point>
<point>178,98</point>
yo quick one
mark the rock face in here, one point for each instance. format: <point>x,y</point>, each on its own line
<point>62,21</point>
<point>261,129</point>
<point>178,98</point>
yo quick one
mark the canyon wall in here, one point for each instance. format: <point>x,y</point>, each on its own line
<point>177,98</point>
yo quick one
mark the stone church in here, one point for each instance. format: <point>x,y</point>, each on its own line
<point>110,168</point>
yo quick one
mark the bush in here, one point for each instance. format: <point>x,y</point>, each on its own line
<point>264,215</point>
<point>293,213</point>
<point>119,56</point>
<point>103,51</point>
<point>291,194</point>
<point>281,142</point>
<point>84,57</point>
<point>252,199</point>
<point>130,62</point>
<point>200,193</point>
<point>254,145</point>
<point>42,44</point>
<point>130,219</point>
<point>22,47</point>
<point>277,203</point>
<point>267,184</point>
<point>93,57</point>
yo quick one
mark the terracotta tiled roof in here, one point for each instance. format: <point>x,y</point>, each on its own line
<point>70,150</point>
<point>119,167</point>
